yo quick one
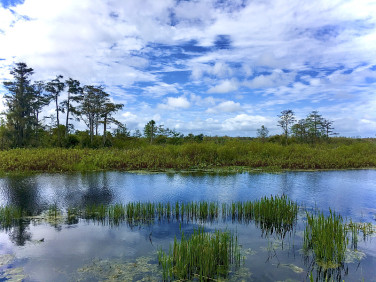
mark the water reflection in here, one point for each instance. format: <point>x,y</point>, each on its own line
<point>351,193</point>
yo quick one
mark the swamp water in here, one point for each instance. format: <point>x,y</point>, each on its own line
<point>50,247</point>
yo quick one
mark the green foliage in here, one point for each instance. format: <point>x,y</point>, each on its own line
<point>136,154</point>
<point>275,214</point>
<point>9,215</point>
<point>327,237</point>
<point>203,256</point>
<point>19,101</point>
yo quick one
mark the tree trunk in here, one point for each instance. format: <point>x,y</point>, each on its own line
<point>104,130</point>
<point>57,121</point>
<point>67,122</point>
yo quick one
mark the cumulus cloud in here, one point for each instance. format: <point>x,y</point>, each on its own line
<point>224,87</point>
<point>175,103</point>
<point>311,53</point>
<point>225,107</point>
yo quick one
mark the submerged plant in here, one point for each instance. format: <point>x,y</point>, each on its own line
<point>203,255</point>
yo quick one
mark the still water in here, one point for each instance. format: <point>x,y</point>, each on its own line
<point>38,250</point>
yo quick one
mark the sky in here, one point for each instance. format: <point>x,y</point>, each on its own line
<point>211,66</point>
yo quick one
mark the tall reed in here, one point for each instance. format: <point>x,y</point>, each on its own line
<point>202,256</point>
<point>9,215</point>
<point>327,237</point>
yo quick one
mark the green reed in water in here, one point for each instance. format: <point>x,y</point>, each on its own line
<point>327,237</point>
<point>276,213</point>
<point>9,215</point>
<point>203,256</point>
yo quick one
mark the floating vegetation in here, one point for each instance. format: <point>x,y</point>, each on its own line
<point>11,274</point>
<point>327,237</point>
<point>118,270</point>
<point>292,266</point>
<point>203,255</point>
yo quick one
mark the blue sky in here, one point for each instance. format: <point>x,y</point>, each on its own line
<point>213,67</point>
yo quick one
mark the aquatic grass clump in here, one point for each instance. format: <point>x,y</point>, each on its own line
<point>140,212</point>
<point>53,211</point>
<point>95,212</point>
<point>274,214</point>
<point>9,215</point>
<point>203,256</point>
<point>278,213</point>
<point>327,237</point>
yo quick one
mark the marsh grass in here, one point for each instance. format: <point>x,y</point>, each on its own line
<point>202,256</point>
<point>53,211</point>
<point>9,216</point>
<point>354,228</point>
<point>232,155</point>
<point>276,214</point>
<point>326,237</point>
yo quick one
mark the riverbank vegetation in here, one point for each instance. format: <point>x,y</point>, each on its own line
<point>48,144</point>
<point>228,154</point>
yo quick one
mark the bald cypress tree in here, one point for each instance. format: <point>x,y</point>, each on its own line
<point>19,100</point>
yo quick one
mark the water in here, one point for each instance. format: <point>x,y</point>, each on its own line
<point>89,251</point>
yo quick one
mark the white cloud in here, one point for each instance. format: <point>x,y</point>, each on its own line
<point>276,78</point>
<point>120,43</point>
<point>175,103</point>
<point>160,89</point>
<point>224,87</point>
<point>244,122</point>
<point>225,107</point>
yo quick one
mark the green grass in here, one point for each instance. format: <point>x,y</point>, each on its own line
<point>9,215</point>
<point>202,256</point>
<point>232,155</point>
<point>272,214</point>
<point>327,238</point>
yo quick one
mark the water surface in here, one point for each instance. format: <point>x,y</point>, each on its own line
<point>85,250</point>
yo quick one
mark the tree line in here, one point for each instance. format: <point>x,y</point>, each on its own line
<point>311,129</point>
<point>25,100</point>
<point>24,127</point>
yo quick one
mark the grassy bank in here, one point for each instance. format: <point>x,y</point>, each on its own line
<point>207,155</point>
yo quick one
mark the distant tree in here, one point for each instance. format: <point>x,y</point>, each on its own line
<point>262,133</point>
<point>19,104</point>
<point>4,135</point>
<point>106,113</point>
<point>327,128</point>
<point>55,87</point>
<point>40,100</point>
<point>286,120</point>
<point>74,95</point>
<point>299,130</point>
<point>122,131</point>
<point>150,130</point>
<point>90,108</point>
<point>137,133</point>
<point>314,124</point>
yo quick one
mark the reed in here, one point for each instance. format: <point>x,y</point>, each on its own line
<point>327,237</point>
<point>202,256</point>
<point>9,215</point>
<point>272,214</point>
<point>53,211</point>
